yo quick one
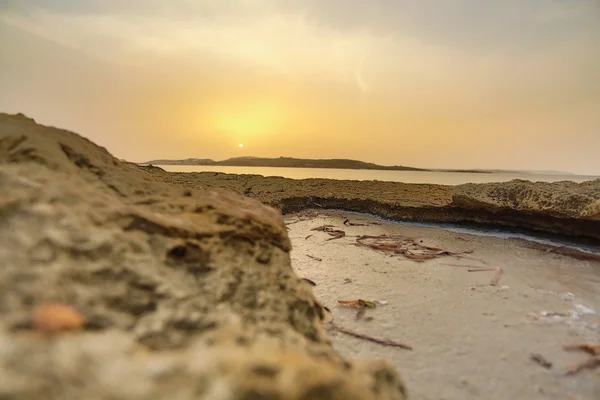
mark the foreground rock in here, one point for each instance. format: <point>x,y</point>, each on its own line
<point>565,208</point>
<point>186,293</point>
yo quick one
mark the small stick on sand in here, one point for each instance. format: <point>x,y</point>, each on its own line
<point>472,268</point>
<point>387,343</point>
<point>591,363</point>
<point>540,360</point>
<point>335,234</point>
<point>314,258</point>
<point>496,278</point>
<point>310,282</point>
<point>463,266</point>
<point>306,238</point>
<point>348,223</point>
<point>592,349</point>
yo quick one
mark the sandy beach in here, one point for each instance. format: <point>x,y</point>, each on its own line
<point>470,340</point>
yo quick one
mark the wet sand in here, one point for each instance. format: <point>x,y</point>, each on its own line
<point>471,340</point>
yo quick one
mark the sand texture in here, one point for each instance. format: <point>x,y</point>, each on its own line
<point>470,340</point>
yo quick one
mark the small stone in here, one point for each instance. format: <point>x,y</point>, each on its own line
<point>54,318</point>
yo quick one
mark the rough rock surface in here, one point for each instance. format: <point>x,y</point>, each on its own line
<point>559,199</point>
<point>187,294</point>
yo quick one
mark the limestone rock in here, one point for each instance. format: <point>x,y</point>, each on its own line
<point>186,293</point>
<point>558,199</point>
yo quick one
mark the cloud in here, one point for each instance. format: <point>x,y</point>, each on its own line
<point>458,72</point>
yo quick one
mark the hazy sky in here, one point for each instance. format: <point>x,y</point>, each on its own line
<point>426,83</point>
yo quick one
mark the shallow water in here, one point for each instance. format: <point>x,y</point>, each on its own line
<point>440,178</point>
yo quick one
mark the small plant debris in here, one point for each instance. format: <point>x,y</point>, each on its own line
<point>496,279</point>
<point>592,349</point>
<point>383,342</point>
<point>311,283</point>
<point>407,247</point>
<point>335,233</point>
<point>314,258</point>
<point>475,268</point>
<point>591,363</point>
<point>322,228</point>
<point>348,223</point>
<point>347,280</point>
<point>540,360</point>
<point>358,303</point>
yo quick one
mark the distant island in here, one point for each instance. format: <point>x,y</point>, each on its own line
<point>289,162</point>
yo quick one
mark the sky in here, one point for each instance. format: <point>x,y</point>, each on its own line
<point>511,84</point>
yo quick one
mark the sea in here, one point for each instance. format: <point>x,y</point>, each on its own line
<point>431,177</point>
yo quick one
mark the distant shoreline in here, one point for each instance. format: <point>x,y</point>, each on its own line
<point>289,162</point>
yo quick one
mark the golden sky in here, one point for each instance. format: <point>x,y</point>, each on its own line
<point>509,84</point>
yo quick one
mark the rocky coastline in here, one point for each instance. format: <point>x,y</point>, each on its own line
<point>184,281</point>
<point>564,208</point>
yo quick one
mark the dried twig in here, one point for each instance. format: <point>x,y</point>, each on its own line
<point>481,270</point>
<point>348,223</point>
<point>591,363</point>
<point>360,303</point>
<point>383,342</point>
<point>322,228</point>
<point>541,360</point>
<point>314,258</point>
<point>306,238</point>
<point>496,278</point>
<point>408,247</point>
<point>592,349</point>
<point>336,234</point>
<point>311,283</point>
<point>464,266</point>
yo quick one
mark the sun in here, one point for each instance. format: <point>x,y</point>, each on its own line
<point>240,145</point>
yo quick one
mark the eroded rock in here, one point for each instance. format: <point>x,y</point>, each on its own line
<point>564,208</point>
<point>186,293</point>
<point>558,199</point>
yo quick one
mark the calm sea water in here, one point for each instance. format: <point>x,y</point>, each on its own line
<point>442,178</point>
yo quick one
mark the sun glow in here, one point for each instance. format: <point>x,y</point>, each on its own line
<point>240,145</point>
<point>248,120</point>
